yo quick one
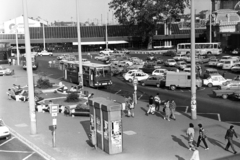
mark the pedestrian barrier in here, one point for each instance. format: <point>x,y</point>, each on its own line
<point>186,110</point>
<point>218,115</point>
<point>118,91</point>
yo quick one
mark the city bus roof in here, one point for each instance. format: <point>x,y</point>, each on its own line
<point>87,64</point>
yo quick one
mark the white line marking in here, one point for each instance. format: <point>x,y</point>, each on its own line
<point>28,156</point>
<point>7,141</point>
<point>15,151</point>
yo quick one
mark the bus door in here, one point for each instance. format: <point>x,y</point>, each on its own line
<point>91,77</point>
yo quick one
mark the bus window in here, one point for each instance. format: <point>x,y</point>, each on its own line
<point>107,71</point>
<point>99,72</point>
<point>215,46</point>
<point>187,46</point>
<point>210,46</point>
<point>181,46</point>
<point>197,46</point>
<point>85,70</point>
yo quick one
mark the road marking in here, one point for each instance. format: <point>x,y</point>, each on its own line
<point>15,151</point>
<point>129,133</point>
<point>7,141</point>
<point>28,156</point>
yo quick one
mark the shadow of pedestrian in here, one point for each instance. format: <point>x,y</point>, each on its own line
<point>216,142</point>
<point>160,114</point>
<point>179,158</point>
<point>179,141</point>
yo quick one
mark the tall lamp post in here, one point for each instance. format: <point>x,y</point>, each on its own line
<point>44,46</point>
<point>29,72</point>
<point>210,25</point>
<point>106,32</point>
<point>193,72</point>
<point>16,35</point>
<point>80,76</point>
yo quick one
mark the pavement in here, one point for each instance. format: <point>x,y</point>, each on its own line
<point>144,137</point>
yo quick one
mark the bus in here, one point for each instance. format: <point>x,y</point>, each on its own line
<point>23,62</point>
<point>201,48</point>
<point>22,51</point>
<point>94,74</point>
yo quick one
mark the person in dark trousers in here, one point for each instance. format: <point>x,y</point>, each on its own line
<point>229,136</point>
<point>151,108</point>
<point>157,102</point>
<point>202,137</point>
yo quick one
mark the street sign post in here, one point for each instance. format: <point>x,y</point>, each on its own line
<point>135,82</point>
<point>54,111</point>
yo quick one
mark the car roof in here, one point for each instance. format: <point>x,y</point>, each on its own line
<point>211,69</point>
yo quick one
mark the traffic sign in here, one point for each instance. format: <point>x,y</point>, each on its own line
<point>135,81</point>
<point>53,108</point>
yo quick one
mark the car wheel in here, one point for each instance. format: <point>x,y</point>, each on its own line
<point>130,80</point>
<point>224,96</point>
<point>143,84</point>
<point>210,85</point>
<point>172,87</point>
<point>8,137</point>
<point>158,85</point>
<point>41,55</point>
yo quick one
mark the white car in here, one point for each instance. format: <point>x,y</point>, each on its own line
<point>179,57</point>
<point>106,51</point>
<point>221,61</point>
<point>100,58</point>
<point>215,80</point>
<point>139,75</point>
<point>170,62</point>
<point>5,71</point>
<point>213,62</point>
<point>125,63</point>
<point>159,72</point>
<point>45,53</point>
<point>4,131</point>
<point>181,65</point>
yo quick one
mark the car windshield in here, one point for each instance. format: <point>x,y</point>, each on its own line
<point>225,57</point>
<point>102,72</point>
<point>171,60</point>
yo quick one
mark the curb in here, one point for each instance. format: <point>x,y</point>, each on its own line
<point>31,145</point>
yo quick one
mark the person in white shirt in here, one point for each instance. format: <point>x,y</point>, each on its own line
<point>190,134</point>
<point>195,155</point>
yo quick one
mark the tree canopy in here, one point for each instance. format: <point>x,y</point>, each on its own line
<point>146,14</point>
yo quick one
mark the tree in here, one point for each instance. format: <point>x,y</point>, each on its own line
<point>146,14</point>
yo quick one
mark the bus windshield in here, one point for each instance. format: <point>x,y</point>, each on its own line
<point>103,72</point>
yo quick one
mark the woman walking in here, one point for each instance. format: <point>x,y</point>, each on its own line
<point>151,108</point>
<point>167,110</point>
<point>202,137</point>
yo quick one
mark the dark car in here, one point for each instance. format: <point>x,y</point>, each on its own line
<point>169,53</point>
<point>153,81</point>
<point>148,68</point>
<point>151,58</point>
<point>80,110</point>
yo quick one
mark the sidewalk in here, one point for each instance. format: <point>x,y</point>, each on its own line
<point>144,137</point>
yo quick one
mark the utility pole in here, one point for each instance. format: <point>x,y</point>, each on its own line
<point>210,26</point>
<point>106,32</point>
<point>80,75</point>
<point>16,35</point>
<point>29,72</point>
<point>193,67</point>
<point>44,47</point>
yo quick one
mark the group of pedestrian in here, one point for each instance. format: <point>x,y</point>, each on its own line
<point>202,138</point>
<point>168,108</point>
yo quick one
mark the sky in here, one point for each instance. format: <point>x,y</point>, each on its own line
<point>65,10</point>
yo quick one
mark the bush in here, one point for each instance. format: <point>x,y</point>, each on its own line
<point>72,97</point>
<point>43,83</point>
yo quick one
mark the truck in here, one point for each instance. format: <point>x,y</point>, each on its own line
<point>180,79</point>
<point>228,88</point>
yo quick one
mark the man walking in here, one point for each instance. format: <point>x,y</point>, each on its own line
<point>202,137</point>
<point>229,136</point>
<point>190,134</point>
<point>157,102</point>
<point>172,107</point>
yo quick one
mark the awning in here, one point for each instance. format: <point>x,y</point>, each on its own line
<point>100,42</point>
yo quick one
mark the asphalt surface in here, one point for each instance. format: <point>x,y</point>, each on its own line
<point>14,149</point>
<point>208,105</point>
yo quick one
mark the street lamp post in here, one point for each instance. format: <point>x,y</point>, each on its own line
<point>16,35</point>
<point>44,47</point>
<point>80,76</point>
<point>29,72</point>
<point>106,32</point>
<point>210,26</point>
<point>193,74</point>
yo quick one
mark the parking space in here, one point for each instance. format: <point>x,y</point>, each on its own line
<point>14,149</point>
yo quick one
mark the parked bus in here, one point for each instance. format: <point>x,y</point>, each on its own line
<point>201,48</point>
<point>22,51</point>
<point>94,74</point>
<point>23,62</point>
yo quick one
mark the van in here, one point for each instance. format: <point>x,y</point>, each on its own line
<point>180,79</point>
<point>229,63</point>
<point>105,54</point>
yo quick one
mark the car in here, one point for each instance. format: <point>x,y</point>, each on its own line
<point>108,51</point>
<point>181,65</point>
<point>169,53</point>
<point>213,62</point>
<point>151,58</point>
<point>149,68</point>
<point>236,94</point>
<point>152,80</point>
<point>61,56</point>
<point>45,53</point>
<point>125,63</point>
<point>139,75</point>
<point>215,80</point>
<point>4,131</point>
<point>101,58</point>
<point>136,60</point>
<point>116,70</point>
<point>210,71</point>
<point>170,62</point>
<point>231,85</point>
<point>179,57</point>
<point>159,72</point>
<point>236,51</point>
<point>223,59</point>
<point>5,71</point>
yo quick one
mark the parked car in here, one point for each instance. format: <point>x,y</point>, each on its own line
<point>213,62</point>
<point>170,62</point>
<point>116,70</point>
<point>45,53</point>
<point>229,63</point>
<point>80,110</point>
<point>4,131</point>
<point>5,71</point>
<point>149,68</point>
<point>231,85</point>
<point>223,59</point>
<point>106,51</point>
<point>210,71</point>
<point>101,58</point>
<point>179,57</point>
<point>169,53</point>
<point>236,51</point>
<point>139,75</point>
<point>152,80</point>
<point>215,80</point>
<point>159,72</point>
<point>181,65</point>
<point>125,63</point>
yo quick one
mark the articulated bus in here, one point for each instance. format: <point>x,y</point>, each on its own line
<point>201,48</point>
<point>94,74</point>
<point>23,62</point>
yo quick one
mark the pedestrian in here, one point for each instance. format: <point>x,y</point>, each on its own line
<point>202,137</point>
<point>13,61</point>
<point>167,110</point>
<point>9,61</point>
<point>157,101</point>
<point>151,108</point>
<point>130,106</point>
<point>50,63</point>
<point>172,107</point>
<point>54,63</point>
<point>229,136</point>
<point>190,134</point>
<point>195,155</point>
